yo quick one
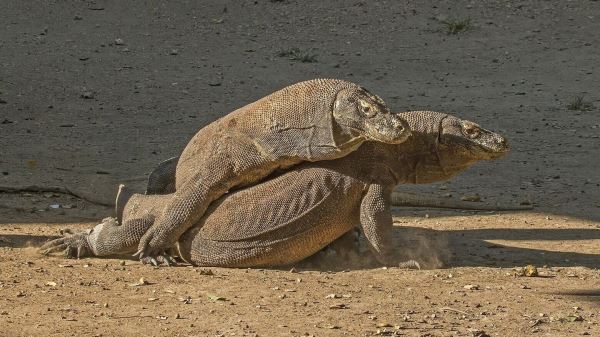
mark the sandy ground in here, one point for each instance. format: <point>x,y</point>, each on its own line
<point>93,93</point>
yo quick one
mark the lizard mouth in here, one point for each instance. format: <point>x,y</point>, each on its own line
<point>494,146</point>
<point>387,129</point>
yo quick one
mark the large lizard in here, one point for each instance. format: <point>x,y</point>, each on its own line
<point>309,121</point>
<point>295,214</point>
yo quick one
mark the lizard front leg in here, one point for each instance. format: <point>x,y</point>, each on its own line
<point>231,161</point>
<point>377,225</point>
<point>376,222</point>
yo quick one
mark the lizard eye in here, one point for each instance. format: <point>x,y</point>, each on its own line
<point>471,130</point>
<point>366,108</point>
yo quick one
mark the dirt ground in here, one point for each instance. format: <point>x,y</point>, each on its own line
<point>94,93</point>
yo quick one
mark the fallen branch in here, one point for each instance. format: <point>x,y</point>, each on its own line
<point>411,200</point>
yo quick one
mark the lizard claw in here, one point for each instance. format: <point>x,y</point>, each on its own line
<point>160,260</point>
<point>139,253</point>
<point>152,246</point>
<point>73,245</point>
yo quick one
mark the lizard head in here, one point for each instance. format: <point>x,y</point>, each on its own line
<point>444,145</point>
<point>464,140</point>
<point>359,113</point>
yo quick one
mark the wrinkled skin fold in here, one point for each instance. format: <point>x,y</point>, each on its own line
<point>309,121</point>
<point>298,212</point>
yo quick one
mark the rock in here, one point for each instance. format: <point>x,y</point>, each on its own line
<point>528,271</point>
<point>142,282</point>
<point>478,333</point>
<point>471,197</point>
<point>86,94</point>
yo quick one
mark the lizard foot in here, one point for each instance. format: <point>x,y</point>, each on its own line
<point>160,260</point>
<point>152,244</point>
<point>73,245</point>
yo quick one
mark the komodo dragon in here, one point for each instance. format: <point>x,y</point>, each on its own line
<point>311,121</point>
<point>293,215</point>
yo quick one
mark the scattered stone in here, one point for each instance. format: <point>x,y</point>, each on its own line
<point>119,42</point>
<point>338,306</point>
<point>216,298</point>
<point>471,287</point>
<point>185,300</point>
<point>478,333</point>
<point>142,282</point>
<point>528,271</point>
<point>573,318</point>
<point>86,94</point>
<point>174,52</point>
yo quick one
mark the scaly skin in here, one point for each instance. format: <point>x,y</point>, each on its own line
<point>309,121</point>
<point>291,216</point>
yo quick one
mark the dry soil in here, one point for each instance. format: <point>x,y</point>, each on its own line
<point>94,93</point>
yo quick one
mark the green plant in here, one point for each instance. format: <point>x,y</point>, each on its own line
<point>296,54</point>
<point>578,103</point>
<point>455,26</point>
